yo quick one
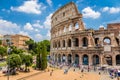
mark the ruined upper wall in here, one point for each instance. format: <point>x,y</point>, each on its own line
<point>113,26</point>
<point>69,11</point>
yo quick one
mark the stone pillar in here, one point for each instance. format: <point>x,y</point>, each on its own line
<point>113,60</point>
<point>72,43</point>
<point>73,27</point>
<point>89,41</point>
<point>66,45</point>
<point>66,60</point>
<point>90,59</point>
<point>80,59</point>
<point>101,60</point>
<point>73,58</point>
<point>80,42</point>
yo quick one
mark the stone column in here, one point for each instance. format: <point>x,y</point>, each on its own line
<point>73,27</point>
<point>72,43</point>
<point>80,59</point>
<point>113,60</point>
<point>101,60</point>
<point>66,45</point>
<point>73,58</point>
<point>80,43</point>
<point>90,59</point>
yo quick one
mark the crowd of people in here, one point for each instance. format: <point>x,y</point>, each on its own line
<point>112,72</point>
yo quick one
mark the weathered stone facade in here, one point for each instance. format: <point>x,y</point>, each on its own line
<point>71,42</point>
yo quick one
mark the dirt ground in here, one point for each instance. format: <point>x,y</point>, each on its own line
<point>56,75</point>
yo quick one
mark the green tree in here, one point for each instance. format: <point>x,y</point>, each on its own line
<point>47,44</point>
<point>3,51</point>
<point>15,50</point>
<point>0,42</point>
<point>44,57</point>
<point>30,44</point>
<point>26,60</point>
<point>15,61</point>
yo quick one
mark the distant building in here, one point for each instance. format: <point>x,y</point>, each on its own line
<point>72,43</point>
<point>19,41</point>
<point>16,40</point>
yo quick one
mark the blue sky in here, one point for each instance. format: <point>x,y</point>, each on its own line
<point>33,17</point>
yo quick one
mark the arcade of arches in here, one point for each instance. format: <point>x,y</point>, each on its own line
<point>72,43</point>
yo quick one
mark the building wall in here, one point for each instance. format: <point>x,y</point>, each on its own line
<point>71,42</point>
<point>16,40</point>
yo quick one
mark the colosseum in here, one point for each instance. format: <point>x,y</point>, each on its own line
<point>71,42</point>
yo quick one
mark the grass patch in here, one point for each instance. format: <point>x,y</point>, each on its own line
<point>3,64</point>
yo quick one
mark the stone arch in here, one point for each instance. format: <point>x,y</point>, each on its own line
<point>59,58</point>
<point>118,59</point>
<point>85,59</point>
<point>63,42</point>
<point>63,58</point>
<point>55,57</point>
<point>108,59</point>
<point>76,25</point>
<point>69,42</point>
<point>107,41</point>
<point>96,41</point>
<point>70,27</point>
<point>76,59</point>
<point>59,44</point>
<point>65,29</point>
<point>117,40</point>
<point>69,58</point>
<point>76,42</point>
<point>95,59</point>
<point>85,41</point>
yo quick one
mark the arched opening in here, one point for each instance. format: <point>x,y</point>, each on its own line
<point>59,58</point>
<point>55,57</point>
<point>96,41</point>
<point>117,40</point>
<point>118,60</point>
<point>59,44</point>
<point>85,42</point>
<point>76,59</point>
<point>108,59</point>
<point>69,42</point>
<point>76,42</point>
<point>95,59</point>
<point>70,27</point>
<point>63,58</point>
<point>55,44</point>
<point>106,41</point>
<point>76,26</point>
<point>63,43</point>
<point>85,60</point>
<point>64,29</point>
<point>69,59</point>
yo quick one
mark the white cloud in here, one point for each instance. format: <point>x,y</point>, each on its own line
<point>111,10</point>
<point>89,13</point>
<point>37,24</point>
<point>31,6</point>
<point>114,10</point>
<point>38,37</point>
<point>7,27</point>
<point>28,26</point>
<point>105,9</point>
<point>23,33</point>
<point>49,2</point>
<point>101,26</point>
<point>47,22</point>
<point>48,35</point>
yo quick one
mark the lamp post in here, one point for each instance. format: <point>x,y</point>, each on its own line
<point>8,52</point>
